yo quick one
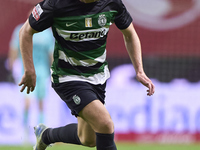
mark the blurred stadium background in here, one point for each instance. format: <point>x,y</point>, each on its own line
<point>169,32</point>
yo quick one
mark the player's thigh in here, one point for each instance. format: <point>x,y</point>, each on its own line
<point>86,134</point>
<point>96,114</point>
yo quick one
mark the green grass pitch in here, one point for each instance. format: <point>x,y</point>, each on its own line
<point>120,146</point>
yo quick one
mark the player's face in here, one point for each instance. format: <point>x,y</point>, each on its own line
<point>88,1</point>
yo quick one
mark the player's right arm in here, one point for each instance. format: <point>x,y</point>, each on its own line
<point>26,47</point>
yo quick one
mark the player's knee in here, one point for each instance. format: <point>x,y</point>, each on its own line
<point>107,126</point>
<point>89,143</point>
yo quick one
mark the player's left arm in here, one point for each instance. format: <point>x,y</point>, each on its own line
<point>133,46</point>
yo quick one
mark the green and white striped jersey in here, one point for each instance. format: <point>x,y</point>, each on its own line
<point>80,30</point>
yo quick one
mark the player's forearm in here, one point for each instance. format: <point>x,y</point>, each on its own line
<point>133,47</point>
<point>25,37</point>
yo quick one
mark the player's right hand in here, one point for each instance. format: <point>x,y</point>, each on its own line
<point>28,80</point>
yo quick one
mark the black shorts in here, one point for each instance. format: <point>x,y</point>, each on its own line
<point>77,94</point>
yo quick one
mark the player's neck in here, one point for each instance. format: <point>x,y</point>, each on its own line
<point>88,1</point>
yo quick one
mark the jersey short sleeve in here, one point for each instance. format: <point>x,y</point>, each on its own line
<point>41,17</point>
<point>123,19</point>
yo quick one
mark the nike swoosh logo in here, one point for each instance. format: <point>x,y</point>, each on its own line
<point>68,25</point>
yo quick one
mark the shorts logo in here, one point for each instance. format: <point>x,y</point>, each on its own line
<point>76,99</point>
<point>37,11</point>
<point>102,20</point>
<point>88,22</point>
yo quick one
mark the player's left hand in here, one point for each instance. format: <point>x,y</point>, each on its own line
<point>141,77</point>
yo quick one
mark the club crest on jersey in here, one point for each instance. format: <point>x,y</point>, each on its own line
<point>37,11</point>
<point>102,20</point>
<point>76,99</point>
<point>88,22</point>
